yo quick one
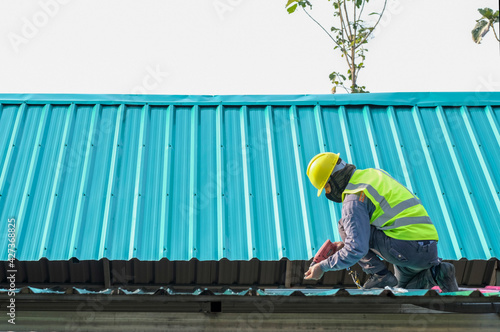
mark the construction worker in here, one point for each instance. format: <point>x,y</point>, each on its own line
<point>381,219</point>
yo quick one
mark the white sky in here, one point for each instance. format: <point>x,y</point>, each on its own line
<point>234,47</point>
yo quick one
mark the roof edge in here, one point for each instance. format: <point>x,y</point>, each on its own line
<point>423,99</point>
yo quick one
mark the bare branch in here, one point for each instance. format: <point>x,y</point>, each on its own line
<point>305,11</point>
<point>362,8</point>
<point>494,31</point>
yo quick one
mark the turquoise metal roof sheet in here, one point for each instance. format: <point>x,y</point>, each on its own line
<point>212,177</point>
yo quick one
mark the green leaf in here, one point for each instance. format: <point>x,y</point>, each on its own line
<point>290,2</point>
<point>496,17</point>
<point>291,9</point>
<point>482,27</point>
<point>486,12</point>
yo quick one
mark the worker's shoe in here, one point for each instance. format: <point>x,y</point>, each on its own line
<point>380,281</point>
<point>444,274</point>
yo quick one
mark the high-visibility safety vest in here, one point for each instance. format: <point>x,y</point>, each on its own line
<point>398,212</point>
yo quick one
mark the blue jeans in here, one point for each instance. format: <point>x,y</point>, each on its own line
<point>408,257</point>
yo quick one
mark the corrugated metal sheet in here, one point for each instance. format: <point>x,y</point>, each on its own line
<point>212,177</point>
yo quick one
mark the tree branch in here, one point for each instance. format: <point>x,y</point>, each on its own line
<point>494,31</point>
<point>342,29</point>
<point>362,8</point>
<point>378,21</point>
<point>305,11</point>
<point>348,23</point>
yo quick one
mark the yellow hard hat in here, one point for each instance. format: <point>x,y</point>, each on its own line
<point>320,167</point>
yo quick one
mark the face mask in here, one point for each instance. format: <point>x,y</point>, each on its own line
<point>335,194</point>
<point>338,182</point>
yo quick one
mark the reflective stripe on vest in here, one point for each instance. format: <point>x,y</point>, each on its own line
<point>391,212</point>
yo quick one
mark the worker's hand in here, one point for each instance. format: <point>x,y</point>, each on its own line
<point>314,273</point>
<point>338,245</point>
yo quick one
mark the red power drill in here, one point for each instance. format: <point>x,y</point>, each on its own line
<point>327,249</point>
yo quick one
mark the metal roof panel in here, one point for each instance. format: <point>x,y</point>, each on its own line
<point>213,177</point>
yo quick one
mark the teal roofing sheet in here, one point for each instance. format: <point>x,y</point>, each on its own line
<point>212,177</point>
